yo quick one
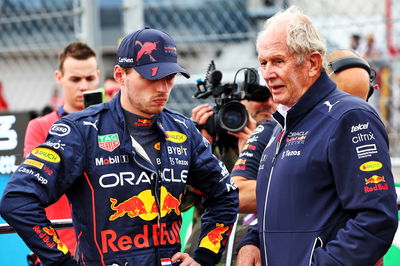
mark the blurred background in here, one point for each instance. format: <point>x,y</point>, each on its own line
<point>33,32</point>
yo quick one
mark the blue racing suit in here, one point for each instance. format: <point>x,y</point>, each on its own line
<point>124,210</point>
<point>325,190</point>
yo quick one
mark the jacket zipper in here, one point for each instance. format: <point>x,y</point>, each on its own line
<point>278,145</point>
<point>156,197</point>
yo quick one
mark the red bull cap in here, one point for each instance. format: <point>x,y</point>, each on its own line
<point>152,53</point>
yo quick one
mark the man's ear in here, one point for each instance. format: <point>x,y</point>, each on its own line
<point>315,64</point>
<point>119,74</point>
<point>58,76</point>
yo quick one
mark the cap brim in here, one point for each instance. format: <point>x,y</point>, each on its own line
<point>160,70</point>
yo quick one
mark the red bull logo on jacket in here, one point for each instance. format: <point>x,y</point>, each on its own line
<point>145,206</point>
<point>378,183</point>
<point>212,240</point>
<point>151,235</point>
<point>143,123</point>
<point>50,237</point>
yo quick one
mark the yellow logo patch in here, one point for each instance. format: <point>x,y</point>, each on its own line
<point>370,166</point>
<point>175,136</point>
<point>34,163</point>
<point>46,154</point>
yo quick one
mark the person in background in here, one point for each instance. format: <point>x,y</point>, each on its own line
<point>77,72</point>
<point>260,114</point>
<point>3,102</point>
<point>111,87</point>
<point>355,42</point>
<point>323,207</point>
<point>353,79</point>
<point>123,165</point>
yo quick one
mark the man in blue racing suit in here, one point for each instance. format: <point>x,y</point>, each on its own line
<point>123,166</point>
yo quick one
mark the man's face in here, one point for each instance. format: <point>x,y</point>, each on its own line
<point>260,111</point>
<point>142,96</point>
<point>77,77</point>
<point>286,79</point>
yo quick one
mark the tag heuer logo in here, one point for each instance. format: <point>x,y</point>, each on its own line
<point>108,142</point>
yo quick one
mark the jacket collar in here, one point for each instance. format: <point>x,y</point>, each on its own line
<point>314,95</point>
<point>117,113</point>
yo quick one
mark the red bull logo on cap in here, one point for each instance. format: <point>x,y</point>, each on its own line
<point>146,49</point>
<point>212,240</point>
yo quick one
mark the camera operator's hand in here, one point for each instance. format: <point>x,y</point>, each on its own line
<point>244,135</point>
<point>200,114</point>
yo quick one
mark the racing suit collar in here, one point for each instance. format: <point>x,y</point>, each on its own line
<point>115,104</point>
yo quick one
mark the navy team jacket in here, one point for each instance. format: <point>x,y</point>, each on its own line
<point>124,210</point>
<point>325,190</point>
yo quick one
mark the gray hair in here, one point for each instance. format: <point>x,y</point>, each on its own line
<point>303,37</point>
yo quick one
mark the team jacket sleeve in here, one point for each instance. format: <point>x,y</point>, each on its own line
<point>360,162</point>
<point>210,177</point>
<point>249,159</point>
<point>39,181</point>
<point>251,237</point>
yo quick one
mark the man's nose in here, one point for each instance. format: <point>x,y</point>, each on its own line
<point>84,85</point>
<point>163,85</point>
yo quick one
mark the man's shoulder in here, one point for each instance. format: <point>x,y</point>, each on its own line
<point>91,111</point>
<point>338,104</point>
<point>174,114</point>
<point>45,120</point>
<point>176,117</point>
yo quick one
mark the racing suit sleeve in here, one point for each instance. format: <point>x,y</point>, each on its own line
<point>210,177</point>
<point>360,162</point>
<point>40,180</point>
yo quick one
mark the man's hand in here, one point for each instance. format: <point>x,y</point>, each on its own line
<point>245,134</point>
<point>200,114</point>
<point>186,260</point>
<point>249,255</point>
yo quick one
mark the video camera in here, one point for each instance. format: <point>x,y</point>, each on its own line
<point>229,113</point>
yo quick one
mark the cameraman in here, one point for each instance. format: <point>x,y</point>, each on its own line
<point>260,114</point>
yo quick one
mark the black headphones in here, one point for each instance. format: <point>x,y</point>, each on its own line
<point>354,61</point>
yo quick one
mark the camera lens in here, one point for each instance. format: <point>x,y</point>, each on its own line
<point>233,116</point>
